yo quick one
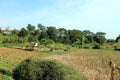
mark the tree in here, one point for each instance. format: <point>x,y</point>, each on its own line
<point>89,36</point>
<point>111,41</point>
<point>100,37</point>
<point>15,32</point>
<point>32,39</point>
<point>23,32</point>
<point>36,33</point>
<point>0,30</point>
<point>74,35</point>
<point>30,28</point>
<point>41,28</point>
<point>52,33</point>
<point>80,42</point>
<point>62,33</point>
<point>117,39</point>
<point>43,35</point>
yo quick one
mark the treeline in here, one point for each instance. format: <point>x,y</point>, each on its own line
<point>45,35</point>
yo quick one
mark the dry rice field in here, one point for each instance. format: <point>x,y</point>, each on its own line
<point>92,64</point>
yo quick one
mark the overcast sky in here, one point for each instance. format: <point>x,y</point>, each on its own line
<point>94,15</point>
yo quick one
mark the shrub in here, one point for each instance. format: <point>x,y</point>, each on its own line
<point>38,70</point>
<point>1,45</point>
<point>97,46</point>
<point>44,70</point>
<point>5,72</point>
<point>116,48</point>
<point>86,47</point>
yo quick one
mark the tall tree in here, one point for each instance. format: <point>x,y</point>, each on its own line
<point>100,37</point>
<point>30,28</point>
<point>52,33</point>
<point>89,36</point>
<point>41,28</point>
<point>43,35</point>
<point>23,32</point>
<point>74,35</point>
<point>62,33</point>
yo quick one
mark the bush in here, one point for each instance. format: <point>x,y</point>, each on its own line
<point>86,47</point>
<point>39,70</point>
<point>44,70</point>
<point>97,46</point>
<point>5,72</point>
<point>1,45</point>
<point>116,48</point>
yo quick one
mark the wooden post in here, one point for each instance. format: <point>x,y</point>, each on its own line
<point>113,67</point>
<point>118,67</point>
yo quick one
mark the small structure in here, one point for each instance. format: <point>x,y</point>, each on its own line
<point>6,31</point>
<point>33,45</point>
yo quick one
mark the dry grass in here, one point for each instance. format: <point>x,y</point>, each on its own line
<point>9,58</point>
<point>93,64</point>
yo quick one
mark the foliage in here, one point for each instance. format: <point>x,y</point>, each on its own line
<point>100,37</point>
<point>23,32</point>
<point>42,35</point>
<point>41,70</point>
<point>45,41</point>
<point>32,39</point>
<point>97,46</point>
<point>111,41</point>
<point>0,30</point>
<point>6,72</point>
<point>74,35</point>
<point>52,33</point>
<point>57,35</point>
<point>41,28</point>
<point>89,36</point>
<point>15,32</point>
<point>80,42</point>
<point>117,39</point>
<point>30,28</point>
<point>5,77</point>
<point>117,48</point>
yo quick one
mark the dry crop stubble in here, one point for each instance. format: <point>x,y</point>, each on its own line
<point>93,64</point>
<point>9,57</point>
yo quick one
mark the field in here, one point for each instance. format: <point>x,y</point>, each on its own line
<point>91,63</point>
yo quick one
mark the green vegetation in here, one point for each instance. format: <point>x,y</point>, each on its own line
<point>4,77</point>
<point>32,69</point>
<point>76,48</point>
<point>48,35</point>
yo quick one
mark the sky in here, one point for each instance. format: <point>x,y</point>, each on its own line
<point>93,15</point>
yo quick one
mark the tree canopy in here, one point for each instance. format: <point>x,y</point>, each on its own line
<point>57,35</point>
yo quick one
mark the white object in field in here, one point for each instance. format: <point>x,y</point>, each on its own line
<point>36,44</point>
